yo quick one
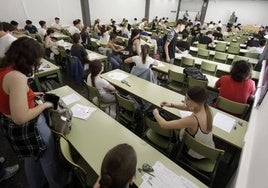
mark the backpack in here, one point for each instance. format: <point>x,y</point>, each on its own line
<point>161,43</point>
<point>194,73</point>
<point>49,85</point>
<point>58,118</point>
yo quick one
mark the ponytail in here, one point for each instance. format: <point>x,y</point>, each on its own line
<point>209,117</point>
<point>144,52</point>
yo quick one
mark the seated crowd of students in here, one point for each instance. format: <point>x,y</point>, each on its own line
<point>237,87</point>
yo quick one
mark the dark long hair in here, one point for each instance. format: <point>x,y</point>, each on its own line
<point>95,68</point>
<point>144,52</point>
<point>241,70</point>
<point>23,55</point>
<point>199,95</point>
<point>118,167</point>
<point>134,33</point>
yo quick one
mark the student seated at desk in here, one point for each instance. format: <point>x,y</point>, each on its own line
<point>114,57</point>
<point>105,33</point>
<point>207,39</point>
<point>50,46</point>
<point>238,86</point>
<point>183,45</point>
<point>118,168</point>
<point>105,89</point>
<point>143,60</point>
<point>134,41</point>
<point>86,41</point>
<point>78,49</point>
<point>198,124</point>
<point>56,24</point>
<point>30,27</point>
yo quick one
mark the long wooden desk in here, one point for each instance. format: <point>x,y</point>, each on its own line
<point>168,66</point>
<point>93,137</point>
<point>220,66</point>
<point>47,68</point>
<point>155,94</point>
<point>226,42</point>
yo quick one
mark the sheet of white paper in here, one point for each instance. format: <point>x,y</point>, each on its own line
<point>184,113</point>
<point>81,111</point>
<point>223,122</point>
<point>165,178</point>
<point>160,64</point>
<point>92,56</point>
<point>118,76</point>
<point>70,98</point>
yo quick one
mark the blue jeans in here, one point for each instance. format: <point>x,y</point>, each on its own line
<point>116,61</point>
<point>48,168</point>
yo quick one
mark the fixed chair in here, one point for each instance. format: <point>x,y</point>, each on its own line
<point>234,108</point>
<point>65,155</point>
<point>208,68</point>
<point>221,47</point>
<point>238,58</point>
<point>252,55</point>
<point>176,81</point>
<point>194,82</point>
<point>187,62</point>
<point>95,98</point>
<point>205,167</point>
<point>125,112</point>
<point>203,53</point>
<point>233,50</point>
<point>234,44</point>
<point>220,57</point>
<point>159,137</point>
<point>202,46</point>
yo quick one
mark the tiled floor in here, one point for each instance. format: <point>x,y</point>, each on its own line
<point>20,181</point>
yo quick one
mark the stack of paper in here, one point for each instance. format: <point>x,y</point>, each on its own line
<point>69,99</point>
<point>81,111</point>
<point>163,177</point>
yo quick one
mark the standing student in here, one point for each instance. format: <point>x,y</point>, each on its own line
<point>118,168</point>
<point>18,108</point>
<point>198,124</point>
<point>171,41</point>
<point>186,15</point>
<point>105,89</point>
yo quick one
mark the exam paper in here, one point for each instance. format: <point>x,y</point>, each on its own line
<point>92,56</point>
<point>118,76</point>
<point>81,111</point>
<point>223,122</point>
<point>165,178</point>
<point>160,64</point>
<point>69,99</point>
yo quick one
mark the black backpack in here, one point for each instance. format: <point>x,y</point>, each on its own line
<point>194,73</point>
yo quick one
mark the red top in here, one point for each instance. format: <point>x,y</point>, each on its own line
<point>4,97</point>
<point>235,91</point>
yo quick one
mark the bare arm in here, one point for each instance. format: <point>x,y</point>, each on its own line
<point>172,105</point>
<point>166,51</point>
<point>128,60</point>
<point>15,84</point>
<point>137,46</point>
<point>187,122</point>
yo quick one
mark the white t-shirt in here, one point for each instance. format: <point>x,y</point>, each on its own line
<point>5,42</point>
<point>42,32</point>
<point>55,25</point>
<point>100,84</point>
<point>138,61</point>
<point>105,38</point>
<point>73,30</point>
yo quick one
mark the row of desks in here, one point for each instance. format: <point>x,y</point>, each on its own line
<point>93,137</point>
<point>155,94</point>
<point>220,66</point>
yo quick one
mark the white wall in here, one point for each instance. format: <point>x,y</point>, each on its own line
<point>253,167</point>
<point>116,9</point>
<point>248,12</point>
<point>21,10</point>
<point>163,8</point>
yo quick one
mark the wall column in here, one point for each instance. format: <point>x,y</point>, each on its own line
<point>147,8</point>
<point>85,12</point>
<point>204,11</point>
<point>178,10</point>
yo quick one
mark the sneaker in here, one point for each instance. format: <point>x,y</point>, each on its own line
<point>2,159</point>
<point>10,171</point>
